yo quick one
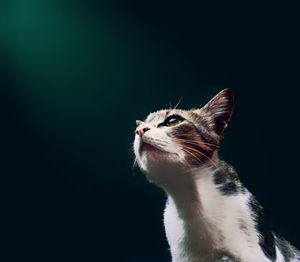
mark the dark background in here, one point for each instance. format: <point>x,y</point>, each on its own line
<point>75,75</point>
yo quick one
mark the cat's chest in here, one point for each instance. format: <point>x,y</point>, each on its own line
<point>211,229</point>
<point>196,221</point>
<point>185,238</point>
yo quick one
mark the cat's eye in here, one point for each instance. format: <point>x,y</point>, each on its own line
<point>172,121</point>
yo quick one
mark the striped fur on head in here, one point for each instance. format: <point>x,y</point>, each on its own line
<point>184,136</point>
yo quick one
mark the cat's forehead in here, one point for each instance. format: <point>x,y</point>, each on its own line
<point>159,116</point>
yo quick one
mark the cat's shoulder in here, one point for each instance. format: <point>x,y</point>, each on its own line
<point>227,180</point>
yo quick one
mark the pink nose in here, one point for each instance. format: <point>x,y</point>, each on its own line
<point>142,130</point>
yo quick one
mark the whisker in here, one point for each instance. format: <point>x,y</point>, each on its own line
<point>203,155</point>
<point>197,159</point>
<point>178,103</point>
<point>202,142</point>
<point>133,166</point>
<point>193,142</point>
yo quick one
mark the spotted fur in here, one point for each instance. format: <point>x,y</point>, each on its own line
<point>209,215</point>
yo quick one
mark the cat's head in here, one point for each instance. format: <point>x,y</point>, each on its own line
<point>183,138</point>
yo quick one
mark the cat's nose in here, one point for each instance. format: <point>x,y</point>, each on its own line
<point>142,130</point>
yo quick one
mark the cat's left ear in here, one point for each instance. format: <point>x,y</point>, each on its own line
<point>219,110</point>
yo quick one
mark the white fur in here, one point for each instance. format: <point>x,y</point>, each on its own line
<point>279,256</point>
<point>220,215</point>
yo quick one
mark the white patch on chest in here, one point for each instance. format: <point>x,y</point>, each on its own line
<point>199,228</point>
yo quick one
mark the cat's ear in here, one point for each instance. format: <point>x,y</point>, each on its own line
<point>219,110</point>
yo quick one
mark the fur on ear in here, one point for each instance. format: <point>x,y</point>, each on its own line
<point>219,110</point>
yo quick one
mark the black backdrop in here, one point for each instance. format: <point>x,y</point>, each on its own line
<point>75,75</point>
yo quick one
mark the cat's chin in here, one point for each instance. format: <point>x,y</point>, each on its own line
<point>154,154</point>
<point>155,162</point>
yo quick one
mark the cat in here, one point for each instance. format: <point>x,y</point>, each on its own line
<point>209,214</point>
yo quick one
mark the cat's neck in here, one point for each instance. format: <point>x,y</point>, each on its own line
<point>182,189</point>
<point>200,221</point>
<point>185,217</point>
